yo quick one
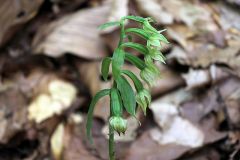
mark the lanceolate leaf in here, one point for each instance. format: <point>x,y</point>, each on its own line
<point>116,106</point>
<point>95,99</point>
<point>109,24</point>
<point>137,83</point>
<point>138,31</point>
<point>105,67</point>
<point>117,62</point>
<point>127,95</point>
<point>139,47</point>
<point>135,18</point>
<point>135,61</point>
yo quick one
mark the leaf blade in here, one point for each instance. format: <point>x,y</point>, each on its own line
<point>127,95</point>
<point>117,62</point>
<point>138,31</point>
<point>137,83</point>
<point>139,47</point>
<point>135,18</point>
<point>108,24</point>
<point>135,61</point>
<point>95,99</point>
<point>105,67</point>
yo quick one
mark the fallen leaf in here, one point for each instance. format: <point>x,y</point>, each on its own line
<point>92,79</point>
<point>12,113</point>
<point>119,9</point>
<point>154,9</point>
<point>169,81</point>
<point>57,143</point>
<point>196,16</point>
<point>146,148</point>
<point>59,97</point>
<point>76,33</point>
<point>201,77</point>
<point>11,19</point>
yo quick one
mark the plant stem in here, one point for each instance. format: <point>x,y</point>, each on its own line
<point>111,130</point>
<point>122,34</point>
<point>111,143</point>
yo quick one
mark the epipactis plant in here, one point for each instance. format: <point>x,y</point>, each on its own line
<point>122,96</point>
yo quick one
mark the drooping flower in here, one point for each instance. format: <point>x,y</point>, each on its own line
<point>118,124</point>
<point>149,74</point>
<point>143,98</point>
<point>155,54</point>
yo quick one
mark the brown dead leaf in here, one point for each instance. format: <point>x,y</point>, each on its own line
<point>154,9</point>
<point>57,142</point>
<point>146,148</point>
<point>201,77</point>
<point>92,79</point>
<point>196,16</point>
<point>59,97</point>
<point>13,113</point>
<point>14,14</point>
<point>203,55</point>
<point>76,33</point>
<point>119,9</point>
<point>174,126</point>
<point>169,81</point>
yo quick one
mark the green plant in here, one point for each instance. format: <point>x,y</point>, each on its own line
<point>122,95</point>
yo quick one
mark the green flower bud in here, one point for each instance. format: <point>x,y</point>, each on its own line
<point>143,98</point>
<point>118,124</point>
<point>150,73</point>
<point>156,55</point>
<point>148,27</point>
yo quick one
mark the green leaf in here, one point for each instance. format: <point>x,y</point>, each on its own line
<point>135,61</point>
<point>117,62</point>
<point>108,24</point>
<point>127,95</point>
<point>105,67</point>
<point>137,83</point>
<point>116,106</point>
<point>138,31</point>
<point>139,47</point>
<point>135,18</point>
<point>95,99</point>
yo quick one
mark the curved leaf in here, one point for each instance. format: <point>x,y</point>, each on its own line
<point>116,106</point>
<point>138,31</point>
<point>108,24</point>
<point>139,47</point>
<point>127,95</point>
<point>137,83</point>
<point>95,99</point>
<point>135,61</point>
<point>135,18</point>
<point>117,62</point>
<point>105,67</point>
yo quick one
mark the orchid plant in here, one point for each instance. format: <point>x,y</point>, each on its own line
<point>122,96</point>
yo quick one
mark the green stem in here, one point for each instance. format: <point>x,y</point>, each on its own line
<point>111,130</point>
<point>122,34</point>
<point>111,143</point>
